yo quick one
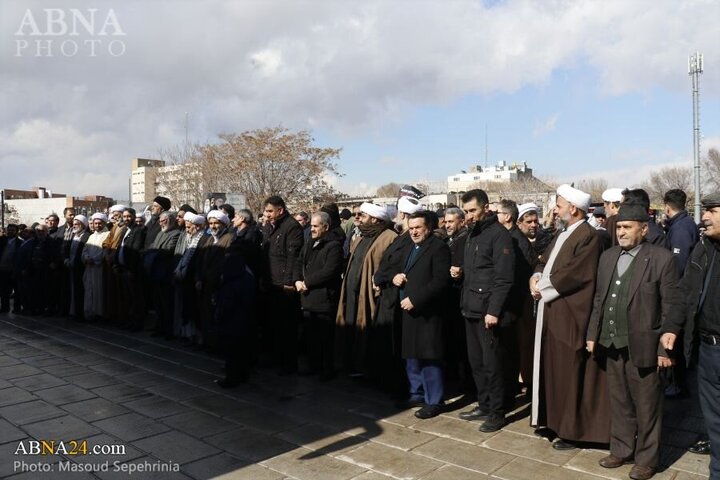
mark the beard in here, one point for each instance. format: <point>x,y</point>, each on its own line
<point>561,223</point>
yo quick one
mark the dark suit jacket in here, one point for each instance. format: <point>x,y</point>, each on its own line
<point>132,250</point>
<point>428,281</point>
<point>652,299</point>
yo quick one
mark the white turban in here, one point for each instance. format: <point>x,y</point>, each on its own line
<point>409,205</point>
<point>117,208</point>
<point>577,197</point>
<point>194,219</point>
<point>82,219</point>
<point>99,216</point>
<point>220,215</point>
<point>376,211</point>
<point>612,195</point>
<point>525,208</point>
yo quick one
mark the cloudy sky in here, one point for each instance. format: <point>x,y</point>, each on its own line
<point>577,89</point>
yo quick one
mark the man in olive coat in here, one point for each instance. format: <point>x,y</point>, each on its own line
<point>635,293</point>
<point>423,282</point>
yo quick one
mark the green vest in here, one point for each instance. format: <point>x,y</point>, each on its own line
<point>614,328</point>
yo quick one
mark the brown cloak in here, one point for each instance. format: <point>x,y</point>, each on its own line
<point>573,395</point>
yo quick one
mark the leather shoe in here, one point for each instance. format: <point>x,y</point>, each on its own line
<point>701,448</point>
<point>561,444</point>
<point>476,413</point>
<point>611,461</point>
<point>429,411</point>
<point>492,424</point>
<point>642,473</point>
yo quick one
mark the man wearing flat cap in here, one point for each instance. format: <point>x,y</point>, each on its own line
<point>358,298</point>
<point>569,389</point>
<point>635,293</point>
<point>699,318</point>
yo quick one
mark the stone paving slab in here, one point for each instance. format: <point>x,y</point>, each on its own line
<point>302,464</point>
<point>165,408</point>
<point>95,409</point>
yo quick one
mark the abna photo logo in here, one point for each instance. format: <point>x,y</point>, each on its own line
<point>69,33</point>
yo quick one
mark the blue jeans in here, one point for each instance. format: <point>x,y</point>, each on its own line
<point>709,389</point>
<point>426,380</point>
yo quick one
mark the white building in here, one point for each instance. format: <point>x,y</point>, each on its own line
<point>143,178</point>
<point>464,181</point>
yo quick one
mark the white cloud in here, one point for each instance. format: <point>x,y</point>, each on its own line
<point>546,126</point>
<point>337,65</point>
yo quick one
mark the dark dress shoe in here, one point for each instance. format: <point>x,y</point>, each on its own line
<point>412,402</point>
<point>642,473</point>
<point>429,411</point>
<point>476,413</point>
<point>611,461</point>
<point>492,424</point>
<point>701,448</point>
<point>561,444</point>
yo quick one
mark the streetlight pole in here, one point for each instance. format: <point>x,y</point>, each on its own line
<point>695,68</point>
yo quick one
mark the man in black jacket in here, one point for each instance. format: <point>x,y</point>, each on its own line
<point>488,273</point>
<point>322,265</point>
<point>423,280</point>
<point>9,246</point>
<point>699,319</point>
<point>127,262</point>
<point>282,243</point>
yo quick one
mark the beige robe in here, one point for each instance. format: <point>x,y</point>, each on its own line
<point>92,257</point>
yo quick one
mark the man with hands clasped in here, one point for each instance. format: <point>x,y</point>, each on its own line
<point>633,298</point>
<point>423,284</point>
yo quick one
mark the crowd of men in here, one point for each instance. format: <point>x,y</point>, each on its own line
<point>584,309</point>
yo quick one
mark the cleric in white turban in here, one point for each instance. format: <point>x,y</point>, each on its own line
<point>220,216</point>
<point>375,211</point>
<point>580,199</point>
<point>99,216</point>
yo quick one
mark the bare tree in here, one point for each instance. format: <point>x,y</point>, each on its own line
<point>388,190</point>
<point>594,186</point>
<point>712,169</point>
<point>669,178</point>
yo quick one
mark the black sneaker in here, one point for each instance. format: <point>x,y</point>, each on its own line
<point>476,413</point>
<point>492,424</point>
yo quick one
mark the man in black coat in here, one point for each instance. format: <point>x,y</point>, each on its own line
<point>60,277</point>
<point>72,260</point>
<point>423,280</point>
<point>282,243</point>
<point>322,265</point>
<point>9,246</point>
<point>699,319</point>
<point>519,322</point>
<point>488,273</point>
<point>127,262</point>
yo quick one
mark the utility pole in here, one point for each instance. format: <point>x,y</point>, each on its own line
<point>695,68</point>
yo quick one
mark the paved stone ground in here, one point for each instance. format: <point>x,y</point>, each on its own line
<point>60,380</point>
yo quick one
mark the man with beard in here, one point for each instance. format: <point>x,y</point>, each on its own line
<point>519,320</point>
<point>635,291</point>
<point>113,281</point>
<point>385,333</point>
<point>127,265</point>
<point>9,246</point>
<point>59,278</point>
<point>92,257</point>
<point>73,262</point>
<point>487,274</point>
<point>248,240</point>
<point>159,265</point>
<point>569,389</point>
<point>358,305</point>
<point>187,310</point>
<point>458,368</point>
<point>212,249</point>
<point>282,243</point>
<point>422,280</point>
<point>699,320</point>
<point>529,224</point>
<point>319,287</point>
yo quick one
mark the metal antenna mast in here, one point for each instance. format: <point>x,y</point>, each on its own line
<point>695,68</point>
